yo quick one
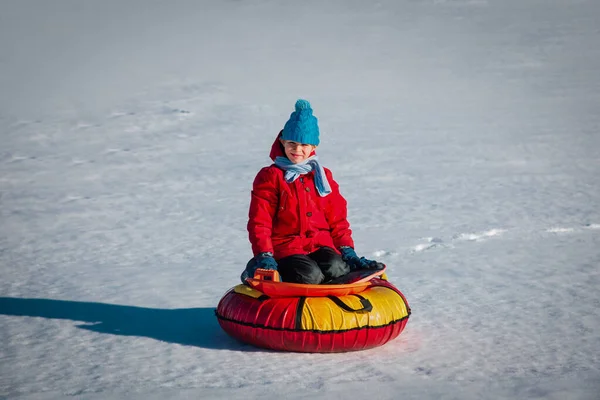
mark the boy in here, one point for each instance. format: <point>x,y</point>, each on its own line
<point>297,219</point>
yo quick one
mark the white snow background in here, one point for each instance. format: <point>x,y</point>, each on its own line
<point>464,135</point>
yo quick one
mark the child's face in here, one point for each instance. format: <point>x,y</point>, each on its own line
<point>297,152</point>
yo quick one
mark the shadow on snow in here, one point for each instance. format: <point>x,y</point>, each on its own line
<point>185,326</point>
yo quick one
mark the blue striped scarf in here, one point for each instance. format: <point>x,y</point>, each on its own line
<point>293,171</point>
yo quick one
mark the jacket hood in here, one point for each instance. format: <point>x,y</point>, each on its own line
<point>277,148</point>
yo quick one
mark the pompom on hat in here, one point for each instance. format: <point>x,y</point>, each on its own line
<point>302,127</point>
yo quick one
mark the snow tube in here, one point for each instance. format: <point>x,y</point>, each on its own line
<point>366,313</point>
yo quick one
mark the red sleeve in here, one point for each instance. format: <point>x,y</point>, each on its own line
<point>337,215</point>
<point>263,205</point>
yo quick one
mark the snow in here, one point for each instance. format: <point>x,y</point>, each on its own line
<point>464,135</point>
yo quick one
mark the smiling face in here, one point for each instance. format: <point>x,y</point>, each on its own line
<point>297,152</point>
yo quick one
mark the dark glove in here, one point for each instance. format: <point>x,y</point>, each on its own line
<point>355,262</point>
<point>266,261</point>
<point>263,260</point>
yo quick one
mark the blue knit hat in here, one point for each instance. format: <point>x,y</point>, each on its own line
<point>302,126</point>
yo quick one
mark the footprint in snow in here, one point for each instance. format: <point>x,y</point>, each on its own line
<point>431,243</point>
<point>561,230</point>
<point>436,242</point>
<point>558,229</point>
<point>382,253</point>
<point>479,236</point>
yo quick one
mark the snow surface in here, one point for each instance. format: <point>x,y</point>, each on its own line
<point>464,134</point>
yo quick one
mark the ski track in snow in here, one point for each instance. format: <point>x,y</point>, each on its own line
<point>436,242</point>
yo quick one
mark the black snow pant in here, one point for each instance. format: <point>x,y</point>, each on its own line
<point>317,267</point>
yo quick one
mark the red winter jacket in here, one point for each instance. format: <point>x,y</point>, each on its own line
<point>291,218</point>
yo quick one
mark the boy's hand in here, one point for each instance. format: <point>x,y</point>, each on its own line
<point>262,260</point>
<point>266,261</point>
<point>355,262</point>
